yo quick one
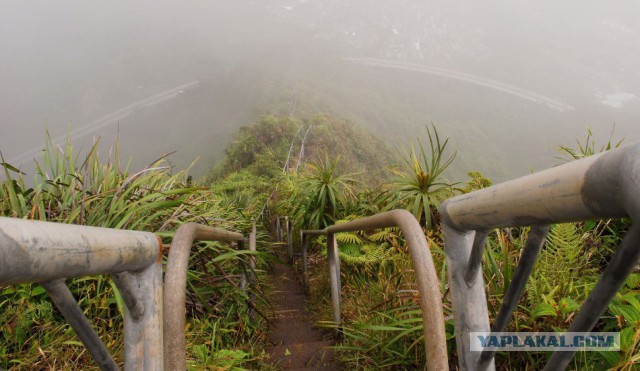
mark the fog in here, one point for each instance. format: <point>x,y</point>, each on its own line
<point>506,81</point>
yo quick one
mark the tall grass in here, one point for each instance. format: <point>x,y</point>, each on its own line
<point>99,190</point>
<point>382,325</point>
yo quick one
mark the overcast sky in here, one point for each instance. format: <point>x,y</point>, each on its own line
<point>537,73</point>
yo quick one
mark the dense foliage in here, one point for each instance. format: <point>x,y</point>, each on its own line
<point>382,324</point>
<point>318,171</point>
<point>89,190</point>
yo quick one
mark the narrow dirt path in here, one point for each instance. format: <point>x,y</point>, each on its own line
<point>295,343</point>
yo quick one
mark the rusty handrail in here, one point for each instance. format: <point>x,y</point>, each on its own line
<point>427,279</point>
<point>597,187</point>
<point>176,286</point>
<point>48,253</point>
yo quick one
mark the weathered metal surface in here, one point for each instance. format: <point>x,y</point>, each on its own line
<point>35,251</point>
<point>427,279</point>
<point>67,305</point>
<point>176,286</point>
<point>289,239</point>
<point>597,187</point>
<point>334,276</point>
<point>475,261</point>
<point>242,267</point>
<point>252,258</point>
<point>467,297</point>
<point>252,270</point>
<point>303,247</point>
<point>278,230</point>
<point>600,186</point>
<point>143,337</point>
<point>126,285</point>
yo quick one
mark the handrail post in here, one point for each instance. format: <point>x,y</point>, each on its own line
<point>303,248</point>
<point>467,296</point>
<point>252,270</point>
<point>597,187</point>
<point>252,258</point>
<point>426,276</point>
<point>278,229</point>
<point>143,338</point>
<point>125,283</point>
<point>289,240</point>
<point>176,286</point>
<point>334,276</point>
<point>49,253</point>
<point>242,266</point>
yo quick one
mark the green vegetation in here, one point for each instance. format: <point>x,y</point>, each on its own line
<point>318,171</point>
<point>322,194</point>
<point>91,191</point>
<point>383,326</point>
<point>419,185</point>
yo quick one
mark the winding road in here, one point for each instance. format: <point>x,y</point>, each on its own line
<point>473,79</point>
<point>111,118</point>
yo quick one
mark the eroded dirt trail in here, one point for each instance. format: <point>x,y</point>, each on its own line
<point>295,343</point>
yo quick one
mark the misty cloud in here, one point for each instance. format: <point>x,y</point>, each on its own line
<point>497,77</point>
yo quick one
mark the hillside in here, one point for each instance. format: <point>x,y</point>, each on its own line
<point>275,144</point>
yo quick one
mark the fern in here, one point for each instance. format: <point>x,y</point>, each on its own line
<point>385,234</point>
<point>562,277</point>
<point>353,255</point>
<point>349,238</point>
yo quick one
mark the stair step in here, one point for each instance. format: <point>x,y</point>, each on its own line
<point>289,331</point>
<point>296,344</point>
<point>288,301</point>
<point>288,290</point>
<point>304,355</point>
<point>288,313</point>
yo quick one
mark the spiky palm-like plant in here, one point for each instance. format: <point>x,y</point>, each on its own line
<point>324,193</point>
<point>418,184</point>
<point>588,148</point>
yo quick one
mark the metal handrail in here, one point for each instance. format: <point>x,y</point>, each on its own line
<point>601,186</point>
<point>176,285</point>
<point>279,234</point>
<point>597,187</point>
<point>427,279</point>
<point>48,253</point>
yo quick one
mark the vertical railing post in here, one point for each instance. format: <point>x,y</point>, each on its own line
<point>467,296</point>
<point>252,258</point>
<point>252,270</point>
<point>176,286</point>
<point>303,248</point>
<point>334,275</point>
<point>242,266</point>
<point>426,277</point>
<point>143,337</point>
<point>289,240</point>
